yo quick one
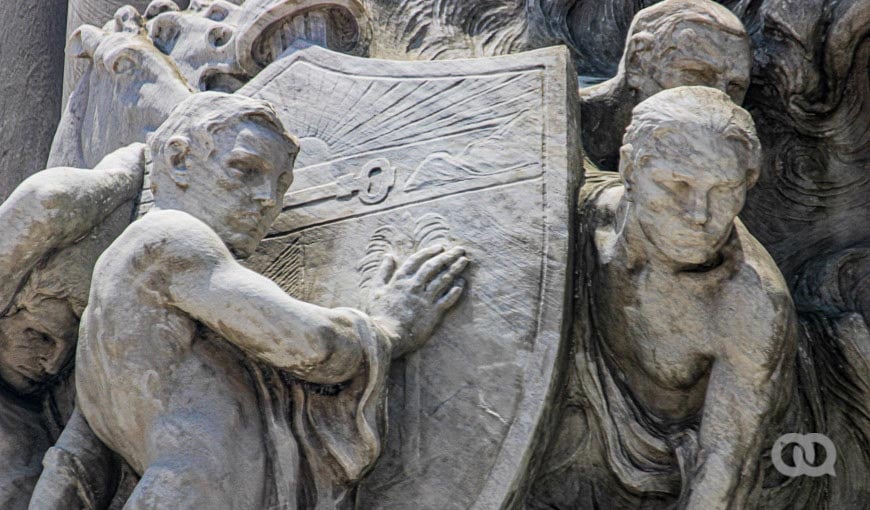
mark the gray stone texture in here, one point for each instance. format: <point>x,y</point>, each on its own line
<point>397,156</point>
<point>93,12</point>
<point>32,38</point>
<point>644,347</point>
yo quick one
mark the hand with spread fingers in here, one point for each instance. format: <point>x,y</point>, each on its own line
<point>411,301</point>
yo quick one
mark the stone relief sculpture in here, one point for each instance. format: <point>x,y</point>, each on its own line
<point>660,375</point>
<point>653,414</point>
<point>56,223</point>
<point>673,43</point>
<point>809,97</point>
<point>196,412</point>
<point>486,153</point>
<point>206,66</point>
<point>126,92</point>
<point>241,41</point>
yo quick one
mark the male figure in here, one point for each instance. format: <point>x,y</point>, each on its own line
<point>670,44</point>
<point>685,335</point>
<point>185,357</point>
<point>55,225</point>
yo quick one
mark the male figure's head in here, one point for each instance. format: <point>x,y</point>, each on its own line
<point>38,334</point>
<point>686,42</point>
<point>226,160</point>
<point>687,160</point>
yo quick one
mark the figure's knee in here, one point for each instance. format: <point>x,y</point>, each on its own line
<point>196,479</point>
<point>170,485</point>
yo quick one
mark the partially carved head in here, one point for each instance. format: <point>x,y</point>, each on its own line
<point>200,40</point>
<point>131,87</point>
<point>38,334</point>
<point>226,160</point>
<point>687,160</point>
<point>219,45</point>
<point>687,42</point>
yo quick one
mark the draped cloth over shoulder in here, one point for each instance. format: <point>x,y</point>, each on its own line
<point>338,428</point>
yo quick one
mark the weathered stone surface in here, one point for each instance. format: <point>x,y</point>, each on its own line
<point>405,156</point>
<point>669,399</point>
<point>127,90</point>
<point>810,98</point>
<point>90,12</point>
<point>31,56</point>
<point>199,402</point>
<point>671,44</point>
<point>98,13</point>
<point>397,156</point>
<point>56,225</point>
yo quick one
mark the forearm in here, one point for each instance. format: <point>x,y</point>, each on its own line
<point>55,207</point>
<point>314,343</point>
<point>732,428</point>
<point>317,344</point>
<point>69,202</point>
<point>78,472</point>
<point>337,346</point>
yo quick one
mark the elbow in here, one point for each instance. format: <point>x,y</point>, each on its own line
<point>53,189</point>
<point>333,353</point>
<point>40,196</point>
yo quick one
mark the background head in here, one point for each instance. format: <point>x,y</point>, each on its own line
<point>38,334</point>
<point>687,160</point>
<point>227,160</point>
<point>687,42</point>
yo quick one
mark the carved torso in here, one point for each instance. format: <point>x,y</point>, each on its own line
<point>665,330</point>
<point>176,387</point>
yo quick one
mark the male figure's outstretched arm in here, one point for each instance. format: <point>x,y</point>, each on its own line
<point>317,344</point>
<point>55,207</point>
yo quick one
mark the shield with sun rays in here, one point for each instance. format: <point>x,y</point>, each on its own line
<point>397,155</point>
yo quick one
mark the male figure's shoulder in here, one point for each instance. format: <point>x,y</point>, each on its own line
<point>163,241</point>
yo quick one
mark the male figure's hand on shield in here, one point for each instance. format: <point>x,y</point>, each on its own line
<point>411,301</point>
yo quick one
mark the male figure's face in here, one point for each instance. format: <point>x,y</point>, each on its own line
<point>36,343</point>
<point>238,188</point>
<point>686,207</point>
<point>697,54</point>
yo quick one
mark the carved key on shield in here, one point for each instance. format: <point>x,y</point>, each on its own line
<point>371,184</point>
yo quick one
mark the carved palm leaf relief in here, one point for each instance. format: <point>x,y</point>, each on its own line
<point>397,156</point>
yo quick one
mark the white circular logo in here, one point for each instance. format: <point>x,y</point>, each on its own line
<point>804,455</point>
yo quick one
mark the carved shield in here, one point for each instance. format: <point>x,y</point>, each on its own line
<point>399,155</point>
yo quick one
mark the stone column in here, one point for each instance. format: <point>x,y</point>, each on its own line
<point>32,36</point>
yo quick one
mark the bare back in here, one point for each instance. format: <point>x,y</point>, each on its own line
<point>149,382</point>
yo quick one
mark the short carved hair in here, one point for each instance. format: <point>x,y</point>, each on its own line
<point>689,112</point>
<point>52,283</point>
<point>201,115</point>
<point>660,21</point>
